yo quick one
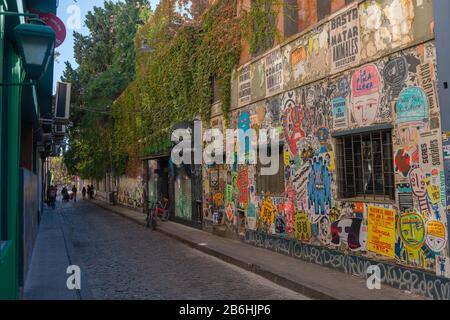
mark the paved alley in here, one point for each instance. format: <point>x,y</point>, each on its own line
<point>120,259</point>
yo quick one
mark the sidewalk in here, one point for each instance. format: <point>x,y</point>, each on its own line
<point>47,277</point>
<point>312,280</point>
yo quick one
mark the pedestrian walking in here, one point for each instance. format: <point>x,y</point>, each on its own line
<point>92,192</point>
<point>52,197</point>
<point>83,192</point>
<point>65,194</point>
<point>74,193</point>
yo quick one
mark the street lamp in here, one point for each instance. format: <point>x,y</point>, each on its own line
<point>35,42</point>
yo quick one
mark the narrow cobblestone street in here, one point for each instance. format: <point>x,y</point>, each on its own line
<point>120,259</point>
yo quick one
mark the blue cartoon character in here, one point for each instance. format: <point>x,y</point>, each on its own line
<point>319,187</point>
<point>244,127</point>
<point>323,135</point>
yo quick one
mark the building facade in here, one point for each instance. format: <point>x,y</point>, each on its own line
<point>354,97</point>
<point>25,143</point>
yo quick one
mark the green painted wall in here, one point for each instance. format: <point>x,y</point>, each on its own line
<point>9,168</point>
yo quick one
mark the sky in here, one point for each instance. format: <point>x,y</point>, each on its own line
<point>67,12</point>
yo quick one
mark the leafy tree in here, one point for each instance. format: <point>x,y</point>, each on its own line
<point>106,59</point>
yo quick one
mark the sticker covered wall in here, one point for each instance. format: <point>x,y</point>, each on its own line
<point>357,88</point>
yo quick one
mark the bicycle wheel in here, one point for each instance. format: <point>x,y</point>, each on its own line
<point>154,223</point>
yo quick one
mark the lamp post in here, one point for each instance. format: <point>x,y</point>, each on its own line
<point>35,43</point>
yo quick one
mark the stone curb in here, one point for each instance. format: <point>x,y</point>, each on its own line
<point>254,268</point>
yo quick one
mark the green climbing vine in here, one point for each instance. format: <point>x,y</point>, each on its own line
<point>173,81</point>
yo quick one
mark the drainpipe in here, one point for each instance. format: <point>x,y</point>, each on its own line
<point>441,11</point>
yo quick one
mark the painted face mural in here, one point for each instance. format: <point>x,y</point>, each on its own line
<point>412,105</point>
<point>325,231</point>
<point>292,120</point>
<point>419,189</point>
<point>344,88</point>
<point>411,228</point>
<point>436,238</point>
<point>366,88</point>
<point>409,134</point>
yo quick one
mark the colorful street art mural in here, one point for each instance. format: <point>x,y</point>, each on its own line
<point>130,191</point>
<point>383,86</point>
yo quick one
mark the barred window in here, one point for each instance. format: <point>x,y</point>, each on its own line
<point>365,166</point>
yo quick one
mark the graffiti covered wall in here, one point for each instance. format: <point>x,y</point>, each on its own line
<point>130,192</point>
<point>374,69</point>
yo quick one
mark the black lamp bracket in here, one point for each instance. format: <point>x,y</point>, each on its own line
<point>17,14</point>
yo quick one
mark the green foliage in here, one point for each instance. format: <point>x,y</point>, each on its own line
<point>173,84</point>
<point>259,25</point>
<point>106,60</point>
<point>147,93</point>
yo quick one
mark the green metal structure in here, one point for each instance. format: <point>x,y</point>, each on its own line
<point>11,71</point>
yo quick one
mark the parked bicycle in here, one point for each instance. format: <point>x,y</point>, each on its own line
<point>151,218</point>
<point>155,211</point>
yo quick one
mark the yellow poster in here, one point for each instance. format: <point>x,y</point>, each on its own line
<point>381,235</point>
<point>287,158</point>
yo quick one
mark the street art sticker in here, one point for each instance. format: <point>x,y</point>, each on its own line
<point>274,72</point>
<point>419,189</point>
<point>251,217</point>
<point>325,231</point>
<point>229,193</point>
<point>427,76</point>
<point>411,229</point>
<point>308,57</point>
<point>245,86</point>
<point>366,95</point>
<point>319,188</point>
<point>243,185</point>
<point>267,215</point>
<point>280,225</point>
<point>344,38</point>
<point>302,227</point>
<point>339,106</point>
<point>412,105</point>
<point>344,87</point>
<point>436,238</point>
<point>230,212</point>
<point>443,266</point>
<point>244,127</point>
<point>395,72</point>
<point>381,236</point>
<point>430,151</point>
<point>409,138</point>
<point>349,233</point>
<point>402,162</point>
<point>292,120</point>
<point>214,179</point>
<point>218,199</point>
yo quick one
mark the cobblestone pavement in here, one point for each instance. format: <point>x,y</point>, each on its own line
<point>123,260</point>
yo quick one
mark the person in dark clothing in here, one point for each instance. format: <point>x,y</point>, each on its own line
<point>52,196</point>
<point>92,191</point>
<point>83,192</point>
<point>74,193</point>
<point>64,193</point>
